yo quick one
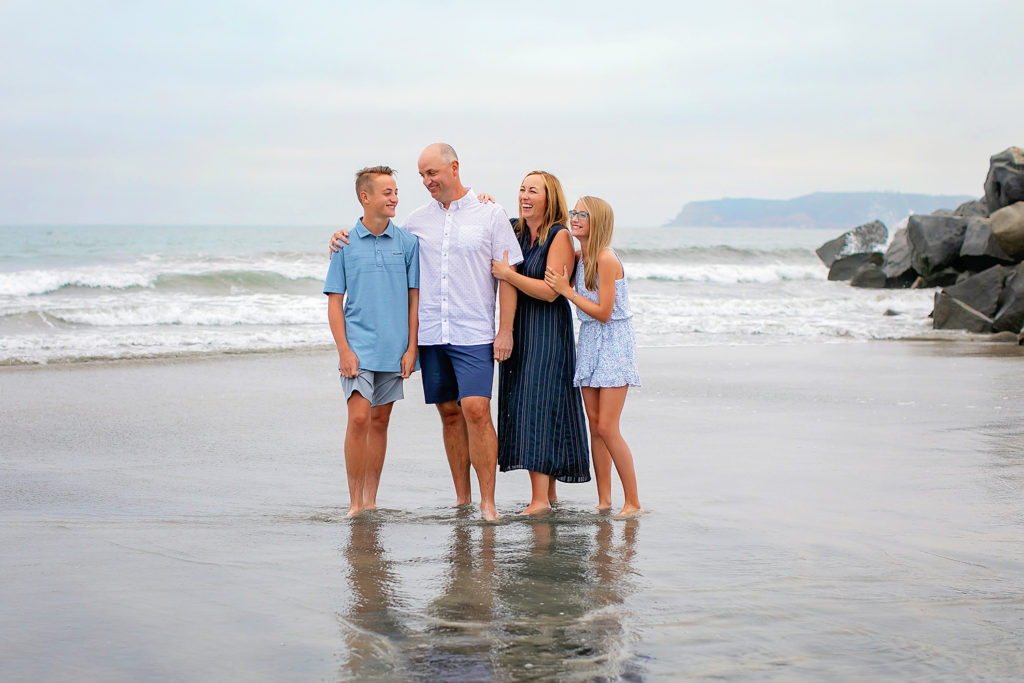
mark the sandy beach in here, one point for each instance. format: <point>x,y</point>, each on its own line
<point>845,511</point>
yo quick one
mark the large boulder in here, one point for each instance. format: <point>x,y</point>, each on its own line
<point>978,207</point>
<point>864,238</point>
<point>870,277</point>
<point>1005,182</point>
<point>980,249</point>
<point>1008,229</point>
<point>848,266</point>
<point>982,291</point>
<point>935,241</point>
<point>951,314</point>
<point>896,264</point>
<point>1010,315</point>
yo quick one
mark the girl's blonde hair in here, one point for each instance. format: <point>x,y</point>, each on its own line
<point>556,211</point>
<point>602,222</point>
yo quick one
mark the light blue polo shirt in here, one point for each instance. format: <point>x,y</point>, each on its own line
<point>375,273</point>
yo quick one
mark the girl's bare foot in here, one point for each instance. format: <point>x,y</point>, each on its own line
<point>629,511</point>
<point>537,509</point>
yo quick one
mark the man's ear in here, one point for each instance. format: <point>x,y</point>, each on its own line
<point>455,167</point>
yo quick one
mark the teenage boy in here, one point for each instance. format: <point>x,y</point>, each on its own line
<point>373,298</point>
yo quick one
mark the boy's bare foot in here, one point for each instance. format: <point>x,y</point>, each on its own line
<point>628,511</point>
<point>537,509</point>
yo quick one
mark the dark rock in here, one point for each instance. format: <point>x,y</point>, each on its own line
<point>1008,229</point>
<point>896,264</point>
<point>981,292</point>
<point>869,277</point>
<point>978,207</point>
<point>1005,182</point>
<point>943,278</point>
<point>935,241</point>
<point>980,249</point>
<point>890,312</point>
<point>1010,314</point>
<point>951,314</point>
<point>848,266</point>
<point>944,212</point>
<point>864,238</point>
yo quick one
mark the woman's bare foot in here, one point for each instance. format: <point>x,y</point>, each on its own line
<point>537,509</point>
<point>628,511</point>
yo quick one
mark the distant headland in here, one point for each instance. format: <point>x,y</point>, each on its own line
<point>840,210</point>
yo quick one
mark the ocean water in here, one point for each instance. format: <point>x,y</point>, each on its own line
<point>109,292</point>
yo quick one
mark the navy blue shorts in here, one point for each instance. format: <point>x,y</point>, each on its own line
<point>454,372</point>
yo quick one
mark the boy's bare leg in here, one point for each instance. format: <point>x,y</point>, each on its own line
<point>456,446</point>
<point>376,447</point>
<point>483,449</point>
<point>356,450</point>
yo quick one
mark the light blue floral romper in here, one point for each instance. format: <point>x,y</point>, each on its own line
<point>606,352</point>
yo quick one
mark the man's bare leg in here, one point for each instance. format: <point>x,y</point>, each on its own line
<point>376,447</point>
<point>356,450</point>
<point>483,449</point>
<point>456,446</point>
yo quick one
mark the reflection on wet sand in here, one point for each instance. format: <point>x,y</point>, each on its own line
<point>524,600</point>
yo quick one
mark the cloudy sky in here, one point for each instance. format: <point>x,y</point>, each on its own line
<point>212,112</point>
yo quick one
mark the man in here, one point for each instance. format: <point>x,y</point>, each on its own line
<point>459,237</point>
<point>373,296</point>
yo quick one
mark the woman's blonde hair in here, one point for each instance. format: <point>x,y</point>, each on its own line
<point>556,211</point>
<point>602,222</point>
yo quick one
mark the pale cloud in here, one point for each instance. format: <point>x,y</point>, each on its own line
<point>237,112</point>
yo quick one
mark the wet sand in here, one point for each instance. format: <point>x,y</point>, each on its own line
<point>846,511</point>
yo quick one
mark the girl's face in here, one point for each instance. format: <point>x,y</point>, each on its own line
<point>579,221</point>
<point>533,200</point>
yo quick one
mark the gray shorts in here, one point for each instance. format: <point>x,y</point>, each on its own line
<point>379,388</point>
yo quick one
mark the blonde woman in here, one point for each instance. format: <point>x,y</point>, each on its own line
<point>606,353</point>
<point>541,424</point>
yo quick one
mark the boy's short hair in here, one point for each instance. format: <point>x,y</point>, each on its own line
<point>365,176</point>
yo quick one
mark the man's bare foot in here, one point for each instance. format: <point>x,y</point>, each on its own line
<point>353,510</point>
<point>537,509</point>
<point>628,511</point>
<point>489,512</point>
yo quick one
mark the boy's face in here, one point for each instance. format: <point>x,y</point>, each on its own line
<point>382,200</point>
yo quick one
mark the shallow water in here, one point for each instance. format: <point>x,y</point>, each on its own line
<point>838,512</point>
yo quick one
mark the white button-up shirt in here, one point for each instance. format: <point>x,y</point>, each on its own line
<point>457,290</point>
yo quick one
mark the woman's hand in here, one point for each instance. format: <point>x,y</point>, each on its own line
<point>558,281</point>
<point>501,269</point>
<point>485,198</point>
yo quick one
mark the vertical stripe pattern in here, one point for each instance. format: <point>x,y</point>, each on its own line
<point>540,413</point>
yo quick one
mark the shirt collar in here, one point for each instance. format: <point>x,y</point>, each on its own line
<point>466,200</point>
<point>362,231</point>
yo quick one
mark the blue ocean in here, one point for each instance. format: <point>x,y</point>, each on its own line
<point>76,293</point>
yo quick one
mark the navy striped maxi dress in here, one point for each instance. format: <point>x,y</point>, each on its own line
<point>540,413</point>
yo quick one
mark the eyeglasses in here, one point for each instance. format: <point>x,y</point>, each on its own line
<point>582,215</point>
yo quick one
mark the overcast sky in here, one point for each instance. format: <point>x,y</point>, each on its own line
<point>208,112</point>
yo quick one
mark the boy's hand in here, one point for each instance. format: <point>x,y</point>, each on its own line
<point>338,240</point>
<point>408,363</point>
<point>348,363</point>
